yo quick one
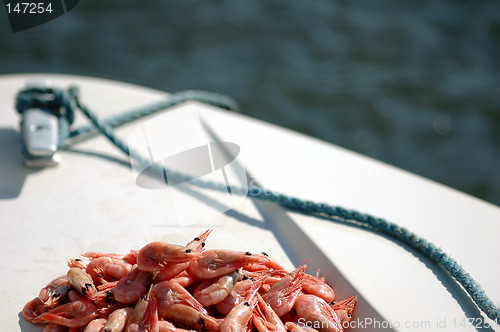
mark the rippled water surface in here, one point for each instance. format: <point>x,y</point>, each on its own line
<point>412,83</point>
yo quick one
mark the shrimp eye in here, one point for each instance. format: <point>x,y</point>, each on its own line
<point>349,315</point>
<point>203,244</point>
<point>247,304</point>
<point>245,277</point>
<point>264,254</point>
<point>201,321</point>
<point>248,253</point>
<point>189,250</point>
<point>333,303</point>
<point>109,297</point>
<point>197,239</point>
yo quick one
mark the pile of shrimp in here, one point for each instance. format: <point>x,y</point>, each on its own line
<point>167,287</point>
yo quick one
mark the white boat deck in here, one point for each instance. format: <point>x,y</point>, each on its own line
<point>91,203</point>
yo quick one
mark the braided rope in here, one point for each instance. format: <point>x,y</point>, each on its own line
<point>435,254</point>
<point>146,110</point>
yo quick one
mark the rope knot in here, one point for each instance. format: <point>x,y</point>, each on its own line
<point>55,101</point>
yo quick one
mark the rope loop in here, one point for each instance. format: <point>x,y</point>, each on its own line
<point>52,100</point>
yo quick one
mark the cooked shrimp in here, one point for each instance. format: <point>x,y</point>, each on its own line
<point>156,256</point>
<point>81,281</point>
<point>283,294</point>
<point>242,291</point>
<point>265,319</point>
<point>72,314</point>
<point>211,292</point>
<point>149,320</point>
<point>73,296</point>
<point>105,269</point>
<point>188,316</point>
<point>318,286</point>
<point>95,325</point>
<point>104,294</point>
<point>51,294</point>
<point>33,310</point>
<point>91,255</point>
<point>139,310</point>
<point>76,262</point>
<point>131,287</point>
<point>196,245</point>
<point>315,310</point>
<point>238,319</point>
<point>131,257</point>
<point>169,293</point>
<point>345,308</point>
<point>216,263</point>
<point>176,304</point>
<point>117,321</point>
<point>183,279</point>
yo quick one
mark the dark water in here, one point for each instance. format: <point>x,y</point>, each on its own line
<point>412,83</point>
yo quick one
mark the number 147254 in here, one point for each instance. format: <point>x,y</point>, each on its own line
<point>29,8</point>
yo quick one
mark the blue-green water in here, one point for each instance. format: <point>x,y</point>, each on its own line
<point>412,83</point>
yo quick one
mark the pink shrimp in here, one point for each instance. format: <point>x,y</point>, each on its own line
<point>148,321</point>
<point>139,310</point>
<point>183,279</point>
<point>169,293</point>
<point>211,292</point>
<point>131,257</point>
<point>33,310</point>
<point>283,294</point>
<point>345,308</point>
<point>317,313</point>
<point>196,245</point>
<point>242,290</point>
<point>188,316</point>
<point>238,319</point>
<point>156,256</point>
<point>76,262</point>
<point>81,281</point>
<point>176,304</point>
<point>117,321</point>
<point>51,294</point>
<point>96,254</point>
<point>131,287</point>
<point>73,296</point>
<point>105,269</point>
<point>95,325</point>
<point>216,263</point>
<point>72,314</point>
<point>104,294</point>
<point>318,286</point>
<point>265,319</point>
